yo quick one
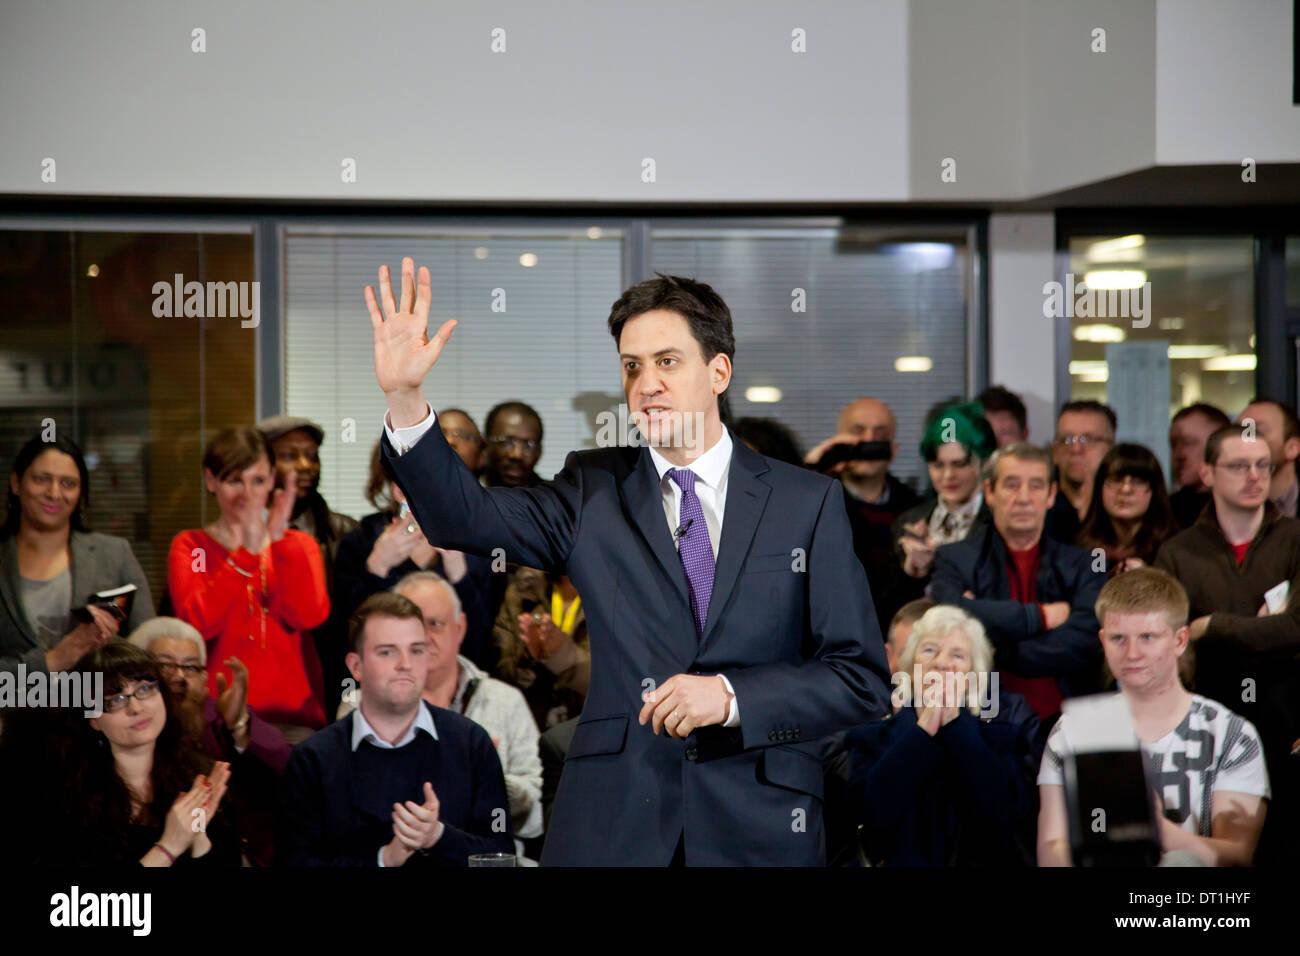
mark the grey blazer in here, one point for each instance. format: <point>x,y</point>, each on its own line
<point>99,562</point>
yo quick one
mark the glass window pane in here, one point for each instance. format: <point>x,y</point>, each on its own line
<point>1200,304</point>
<point>84,345</point>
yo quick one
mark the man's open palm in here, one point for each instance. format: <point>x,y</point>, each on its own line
<point>404,353</point>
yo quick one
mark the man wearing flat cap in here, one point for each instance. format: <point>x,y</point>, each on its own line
<point>296,444</point>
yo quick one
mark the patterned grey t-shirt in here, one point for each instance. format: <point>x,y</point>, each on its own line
<point>1211,749</point>
<point>48,605</point>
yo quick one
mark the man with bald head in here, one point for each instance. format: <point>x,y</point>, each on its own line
<point>873,495</point>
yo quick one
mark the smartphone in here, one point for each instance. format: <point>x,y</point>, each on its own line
<point>862,451</point>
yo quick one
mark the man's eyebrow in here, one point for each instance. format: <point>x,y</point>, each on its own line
<point>671,350</point>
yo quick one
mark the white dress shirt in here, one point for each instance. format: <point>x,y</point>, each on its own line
<point>711,471</point>
<point>362,731</point>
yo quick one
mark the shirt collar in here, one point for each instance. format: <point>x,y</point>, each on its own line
<point>966,511</point>
<point>362,731</point>
<point>709,467</point>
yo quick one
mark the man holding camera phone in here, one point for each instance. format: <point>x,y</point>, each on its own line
<point>859,454</point>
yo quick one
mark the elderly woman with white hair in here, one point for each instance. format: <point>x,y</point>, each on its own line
<point>226,727</point>
<point>948,778</point>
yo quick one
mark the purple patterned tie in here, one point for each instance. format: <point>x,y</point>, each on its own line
<point>694,548</point>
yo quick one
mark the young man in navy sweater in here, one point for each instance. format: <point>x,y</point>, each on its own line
<point>398,781</point>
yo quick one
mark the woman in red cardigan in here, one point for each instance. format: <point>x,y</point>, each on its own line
<point>253,586</point>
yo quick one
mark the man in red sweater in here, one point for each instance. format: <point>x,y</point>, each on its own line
<point>1033,595</point>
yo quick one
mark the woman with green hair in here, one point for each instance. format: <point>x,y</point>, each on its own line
<point>955,446</point>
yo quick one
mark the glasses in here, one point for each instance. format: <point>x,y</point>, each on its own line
<point>512,444</point>
<point>119,701</point>
<point>189,670</point>
<point>461,435</point>
<point>1139,484</point>
<point>1238,469</point>
<point>1083,441</point>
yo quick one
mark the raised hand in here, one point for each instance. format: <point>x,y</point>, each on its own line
<point>404,353</point>
<point>232,700</point>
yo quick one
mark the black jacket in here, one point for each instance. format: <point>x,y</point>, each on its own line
<point>965,796</point>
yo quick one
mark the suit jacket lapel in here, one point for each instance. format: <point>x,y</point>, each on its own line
<point>746,498</point>
<point>10,591</point>
<point>644,501</point>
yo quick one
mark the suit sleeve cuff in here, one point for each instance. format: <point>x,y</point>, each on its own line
<point>733,713</point>
<point>403,439</point>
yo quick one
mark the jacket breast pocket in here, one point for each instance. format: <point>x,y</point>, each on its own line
<point>792,769</point>
<point>603,735</point>
<point>760,563</point>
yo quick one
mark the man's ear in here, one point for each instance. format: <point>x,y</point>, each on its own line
<point>721,368</point>
<point>988,489</point>
<point>1207,474</point>
<point>1181,638</point>
<point>353,660</point>
<point>1051,495</point>
<point>1291,449</point>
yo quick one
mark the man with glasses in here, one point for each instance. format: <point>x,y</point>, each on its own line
<point>1240,565</point>
<point>227,729</point>
<point>1085,431</point>
<point>514,446</point>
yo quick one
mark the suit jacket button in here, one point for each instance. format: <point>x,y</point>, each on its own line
<point>771,735</point>
<point>691,753</point>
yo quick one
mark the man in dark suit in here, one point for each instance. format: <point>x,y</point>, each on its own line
<point>730,623</point>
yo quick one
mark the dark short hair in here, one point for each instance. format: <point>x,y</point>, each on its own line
<point>997,398</point>
<point>1214,443</point>
<point>705,313</point>
<point>32,449</point>
<point>381,604</point>
<point>233,450</point>
<point>770,438</point>
<point>909,613</point>
<point>1096,408</point>
<point>1216,416</point>
<point>523,408</point>
<point>1290,424</point>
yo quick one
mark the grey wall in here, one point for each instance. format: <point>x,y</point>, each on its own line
<point>1223,87</point>
<point>412,91</point>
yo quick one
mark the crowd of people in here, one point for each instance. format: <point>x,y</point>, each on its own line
<point>320,690</point>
